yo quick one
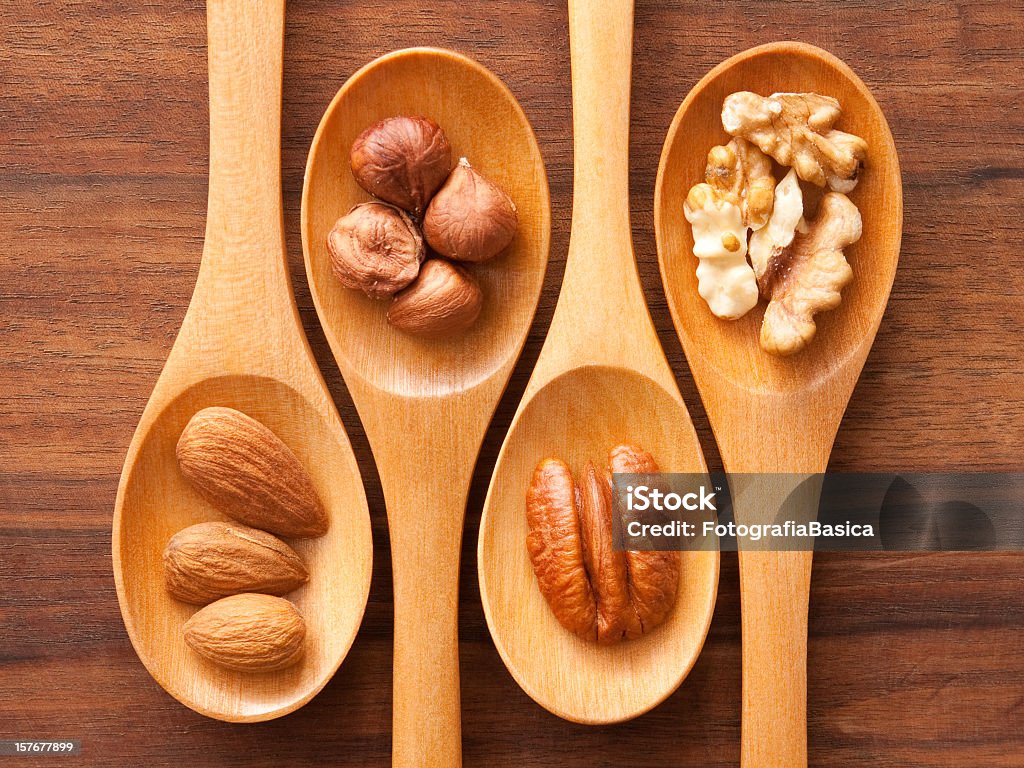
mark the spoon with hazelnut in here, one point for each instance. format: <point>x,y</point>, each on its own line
<point>427,368</point>
<point>241,346</point>
<point>601,380</point>
<point>774,414</point>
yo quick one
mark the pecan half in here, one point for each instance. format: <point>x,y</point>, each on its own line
<point>556,547</point>
<point>605,565</point>
<point>653,576</point>
<point>595,591</point>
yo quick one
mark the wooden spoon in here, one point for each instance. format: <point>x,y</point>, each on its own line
<point>601,379</point>
<point>772,414</point>
<point>241,345</point>
<point>427,404</point>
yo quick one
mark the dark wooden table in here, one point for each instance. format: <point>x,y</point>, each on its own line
<point>914,660</point>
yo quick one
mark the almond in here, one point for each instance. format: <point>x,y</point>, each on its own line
<point>208,561</point>
<point>246,471</point>
<point>248,632</point>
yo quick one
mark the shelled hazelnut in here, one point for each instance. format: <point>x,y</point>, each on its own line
<point>403,161</point>
<point>376,248</point>
<point>445,299</point>
<point>470,218</point>
<point>379,247</point>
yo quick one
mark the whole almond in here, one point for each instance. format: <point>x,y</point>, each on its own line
<point>208,561</point>
<point>249,474</point>
<point>248,632</point>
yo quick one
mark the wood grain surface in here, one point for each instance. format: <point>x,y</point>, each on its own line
<point>913,660</point>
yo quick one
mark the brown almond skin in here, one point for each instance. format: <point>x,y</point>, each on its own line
<point>375,248</point>
<point>555,545</point>
<point>248,633</point>
<point>249,474</point>
<point>402,160</point>
<point>653,576</point>
<point>606,566</point>
<point>443,301</point>
<point>208,561</point>
<point>470,218</point>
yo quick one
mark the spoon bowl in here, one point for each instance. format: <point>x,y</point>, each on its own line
<point>426,404</point>
<point>777,415</point>
<point>730,349</point>
<point>485,124</point>
<point>157,502</point>
<point>241,345</point>
<point>576,679</point>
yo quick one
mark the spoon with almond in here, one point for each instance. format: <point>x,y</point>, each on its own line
<point>601,380</point>
<point>241,347</point>
<point>427,368</point>
<point>770,413</point>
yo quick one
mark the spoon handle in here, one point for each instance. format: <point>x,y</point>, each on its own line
<point>601,315</point>
<point>425,475</point>
<point>427,718</point>
<point>244,267</point>
<point>774,592</point>
<point>601,52</point>
<point>774,596</point>
<point>600,291</point>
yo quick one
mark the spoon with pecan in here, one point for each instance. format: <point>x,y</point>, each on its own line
<point>774,414</point>
<point>601,380</point>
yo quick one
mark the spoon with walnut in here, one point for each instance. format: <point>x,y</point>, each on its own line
<point>775,414</point>
<point>601,380</point>
<point>426,403</point>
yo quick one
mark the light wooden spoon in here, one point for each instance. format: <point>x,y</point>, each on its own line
<point>601,379</point>
<point>773,415</point>
<point>241,345</point>
<point>427,404</point>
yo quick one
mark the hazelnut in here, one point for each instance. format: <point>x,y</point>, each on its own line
<point>444,300</point>
<point>470,218</point>
<point>402,160</point>
<point>376,248</point>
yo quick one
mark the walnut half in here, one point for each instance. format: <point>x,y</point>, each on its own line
<point>796,130</point>
<point>743,173</point>
<point>806,277</point>
<point>595,591</point>
<point>724,279</point>
<point>768,243</point>
<point>737,195</point>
